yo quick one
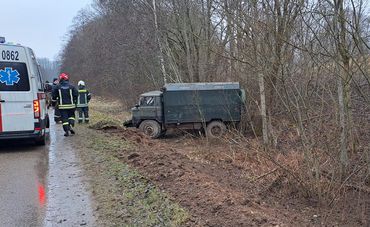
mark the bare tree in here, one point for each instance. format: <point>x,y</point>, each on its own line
<point>304,65</point>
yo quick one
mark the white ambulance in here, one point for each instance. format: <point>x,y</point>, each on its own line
<point>23,110</point>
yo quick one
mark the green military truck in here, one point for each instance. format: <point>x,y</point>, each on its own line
<point>211,106</point>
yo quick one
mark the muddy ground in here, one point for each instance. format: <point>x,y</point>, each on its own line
<point>196,182</point>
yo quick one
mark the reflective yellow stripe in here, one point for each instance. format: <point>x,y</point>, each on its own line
<point>60,97</point>
<point>82,105</point>
<point>71,118</point>
<point>67,106</point>
<point>80,92</point>
<point>70,93</point>
<point>66,123</point>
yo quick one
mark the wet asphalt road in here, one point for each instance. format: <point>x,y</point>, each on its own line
<point>43,186</point>
<point>22,184</point>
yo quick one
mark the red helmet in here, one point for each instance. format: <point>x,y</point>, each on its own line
<point>63,76</point>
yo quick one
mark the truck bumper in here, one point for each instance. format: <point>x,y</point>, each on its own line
<point>128,124</point>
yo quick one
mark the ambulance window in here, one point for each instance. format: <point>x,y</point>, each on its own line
<point>39,77</point>
<point>14,77</point>
<point>38,72</point>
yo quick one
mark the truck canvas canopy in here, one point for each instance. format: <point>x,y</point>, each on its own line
<point>201,86</point>
<point>202,102</point>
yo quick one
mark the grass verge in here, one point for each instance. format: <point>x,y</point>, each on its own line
<point>123,196</point>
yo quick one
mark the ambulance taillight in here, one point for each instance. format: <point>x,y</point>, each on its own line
<point>36,109</point>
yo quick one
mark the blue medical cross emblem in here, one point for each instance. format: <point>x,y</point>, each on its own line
<point>9,76</point>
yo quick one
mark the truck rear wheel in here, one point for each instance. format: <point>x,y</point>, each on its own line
<point>151,128</point>
<point>215,129</point>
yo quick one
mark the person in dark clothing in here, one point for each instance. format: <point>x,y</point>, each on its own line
<point>47,89</point>
<point>65,95</point>
<point>57,116</point>
<point>83,100</point>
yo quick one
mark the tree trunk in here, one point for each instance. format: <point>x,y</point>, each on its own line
<point>161,58</point>
<point>263,109</point>
<point>343,126</point>
<point>344,82</point>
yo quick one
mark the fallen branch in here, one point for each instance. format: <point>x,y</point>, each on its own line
<point>265,174</point>
<point>358,188</point>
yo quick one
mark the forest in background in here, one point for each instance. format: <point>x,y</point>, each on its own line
<point>49,68</point>
<point>304,64</point>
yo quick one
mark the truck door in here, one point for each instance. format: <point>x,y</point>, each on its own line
<point>148,108</point>
<point>159,109</point>
<point>16,98</point>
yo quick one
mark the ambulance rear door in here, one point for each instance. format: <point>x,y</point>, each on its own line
<point>16,91</point>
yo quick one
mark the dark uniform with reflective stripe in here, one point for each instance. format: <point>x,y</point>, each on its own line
<point>66,96</point>
<point>84,97</point>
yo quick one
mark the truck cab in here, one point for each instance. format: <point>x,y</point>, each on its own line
<point>149,108</point>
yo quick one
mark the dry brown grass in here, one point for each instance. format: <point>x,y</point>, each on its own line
<point>112,109</point>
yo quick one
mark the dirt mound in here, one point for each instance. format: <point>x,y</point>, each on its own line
<point>107,125</point>
<point>135,136</point>
<point>128,134</point>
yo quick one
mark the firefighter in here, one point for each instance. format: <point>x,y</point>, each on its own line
<point>65,95</point>
<point>83,100</point>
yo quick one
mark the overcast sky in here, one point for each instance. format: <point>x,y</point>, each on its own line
<point>39,24</point>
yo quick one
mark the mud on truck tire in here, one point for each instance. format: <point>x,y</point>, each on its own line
<point>151,128</point>
<point>215,129</point>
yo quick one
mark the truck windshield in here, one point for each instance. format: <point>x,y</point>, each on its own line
<point>14,77</point>
<point>146,101</point>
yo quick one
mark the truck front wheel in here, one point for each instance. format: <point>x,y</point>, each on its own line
<point>151,128</point>
<point>215,129</point>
